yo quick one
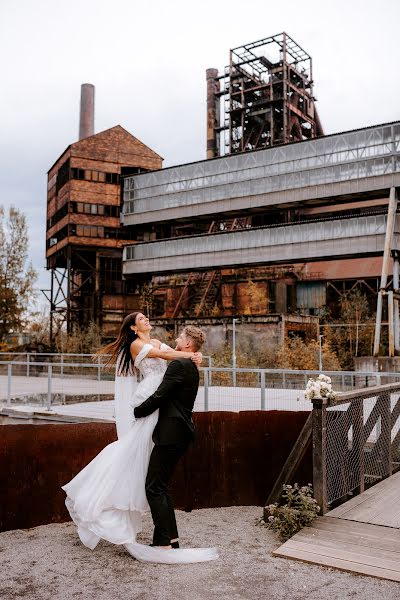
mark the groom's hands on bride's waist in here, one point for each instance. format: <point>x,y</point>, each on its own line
<point>173,378</point>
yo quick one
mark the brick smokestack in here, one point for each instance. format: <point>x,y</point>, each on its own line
<point>86,118</point>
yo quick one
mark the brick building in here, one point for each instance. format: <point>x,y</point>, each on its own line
<point>84,237</point>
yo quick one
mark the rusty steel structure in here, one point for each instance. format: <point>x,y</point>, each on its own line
<point>267,94</point>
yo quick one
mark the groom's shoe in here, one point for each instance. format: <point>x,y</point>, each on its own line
<point>174,544</point>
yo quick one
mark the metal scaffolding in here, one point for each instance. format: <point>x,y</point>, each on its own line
<point>268,98</point>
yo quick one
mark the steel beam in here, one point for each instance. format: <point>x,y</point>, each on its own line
<point>385,267</point>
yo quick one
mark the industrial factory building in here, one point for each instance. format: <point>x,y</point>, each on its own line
<point>304,222</point>
<point>276,224</point>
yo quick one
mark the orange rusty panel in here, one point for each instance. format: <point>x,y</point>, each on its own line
<point>226,272</point>
<point>350,268</point>
<point>110,302</point>
<point>122,303</point>
<point>171,299</point>
<point>234,461</point>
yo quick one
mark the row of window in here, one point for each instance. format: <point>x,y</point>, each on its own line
<point>94,231</point>
<point>65,173</point>
<point>103,210</point>
<point>90,175</point>
<point>95,209</point>
<point>97,231</point>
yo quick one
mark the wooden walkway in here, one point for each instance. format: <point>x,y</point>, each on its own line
<point>361,536</point>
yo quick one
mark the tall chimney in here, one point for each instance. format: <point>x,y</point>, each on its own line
<point>86,119</point>
<point>213,119</point>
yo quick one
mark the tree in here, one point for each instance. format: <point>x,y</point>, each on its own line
<point>355,336</point>
<point>85,340</point>
<point>16,276</point>
<point>147,299</point>
<point>257,299</point>
<point>297,354</point>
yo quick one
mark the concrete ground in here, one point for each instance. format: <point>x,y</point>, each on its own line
<point>50,563</point>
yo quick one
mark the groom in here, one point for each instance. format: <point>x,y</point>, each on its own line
<point>172,435</point>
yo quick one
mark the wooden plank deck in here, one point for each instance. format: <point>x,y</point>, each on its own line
<point>360,536</point>
<point>379,505</point>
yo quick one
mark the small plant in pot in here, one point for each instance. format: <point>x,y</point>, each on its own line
<point>297,509</point>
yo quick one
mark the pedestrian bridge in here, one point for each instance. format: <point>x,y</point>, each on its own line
<point>356,460</point>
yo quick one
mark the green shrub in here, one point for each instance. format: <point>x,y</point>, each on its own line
<point>296,510</point>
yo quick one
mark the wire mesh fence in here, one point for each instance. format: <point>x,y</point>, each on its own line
<point>362,443</point>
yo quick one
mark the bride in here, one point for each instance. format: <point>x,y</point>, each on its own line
<point>107,499</point>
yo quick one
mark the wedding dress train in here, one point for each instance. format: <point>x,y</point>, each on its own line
<point>107,499</point>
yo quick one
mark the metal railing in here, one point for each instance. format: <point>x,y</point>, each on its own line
<point>59,382</point>
<point>356,442</point>
<point>33,363</point>
<point>47,383</point>
<point>30,362</point>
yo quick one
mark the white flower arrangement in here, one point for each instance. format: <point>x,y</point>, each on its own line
<point>319,388</point>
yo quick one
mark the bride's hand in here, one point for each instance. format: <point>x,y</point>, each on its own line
<point>197,358</point>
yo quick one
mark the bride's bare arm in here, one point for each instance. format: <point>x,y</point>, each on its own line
<point>169,354</point>
<point>156,343</point>
<point>197,357</point>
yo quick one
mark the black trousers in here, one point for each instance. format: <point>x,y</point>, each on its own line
<point>162,463</point>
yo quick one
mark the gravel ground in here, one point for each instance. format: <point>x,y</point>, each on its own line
<point>49,562</point>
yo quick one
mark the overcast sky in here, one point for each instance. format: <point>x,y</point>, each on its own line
<point>148,61</point>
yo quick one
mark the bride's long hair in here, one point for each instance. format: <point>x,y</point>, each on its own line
<point>119,351</point>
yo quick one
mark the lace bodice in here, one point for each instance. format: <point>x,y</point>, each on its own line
<point>150,367</point>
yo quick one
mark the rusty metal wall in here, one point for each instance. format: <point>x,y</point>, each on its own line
<point>234,461</point>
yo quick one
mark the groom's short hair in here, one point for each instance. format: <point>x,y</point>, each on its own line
<point>195,335</point>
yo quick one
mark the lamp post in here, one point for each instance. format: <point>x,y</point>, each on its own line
<point>320,352</point>
<point>234,321</point>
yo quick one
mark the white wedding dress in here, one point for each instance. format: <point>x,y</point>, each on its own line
<point>107,499</point>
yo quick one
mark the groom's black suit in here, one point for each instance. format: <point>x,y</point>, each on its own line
<point>173,433</point>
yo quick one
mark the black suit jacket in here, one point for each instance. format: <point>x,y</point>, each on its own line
<point>175,398</point>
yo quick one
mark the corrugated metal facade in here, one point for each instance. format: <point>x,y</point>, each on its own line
<point>311,295</point>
